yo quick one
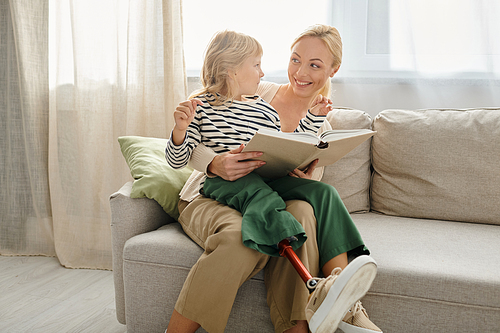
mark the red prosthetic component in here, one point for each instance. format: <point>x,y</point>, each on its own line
<point>287,251</point>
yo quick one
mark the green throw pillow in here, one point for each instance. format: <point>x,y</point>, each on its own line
<point>154,178</point>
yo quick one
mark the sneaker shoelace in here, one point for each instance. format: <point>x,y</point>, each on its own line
<point>336,271</point>
<point>357,307</point>
<point>358,316</point>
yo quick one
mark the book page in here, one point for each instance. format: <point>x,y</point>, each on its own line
<point>295,136</point>
<point>333,135</point>
<point>338,148</point>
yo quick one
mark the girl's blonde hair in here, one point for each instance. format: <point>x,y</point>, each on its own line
<point>331,37</point>
<point>227,51</point>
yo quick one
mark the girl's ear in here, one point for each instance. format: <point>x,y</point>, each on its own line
<point>230,79</point>
<point>231,74</point>
<point>231,82</point>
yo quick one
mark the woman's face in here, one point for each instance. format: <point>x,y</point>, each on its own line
<point>311,64</point>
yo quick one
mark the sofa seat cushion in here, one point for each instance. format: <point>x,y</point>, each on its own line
<point>167,246</point>
<point>434,260</point>
<point>155,266</point>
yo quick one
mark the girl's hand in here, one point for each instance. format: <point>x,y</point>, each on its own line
<point>233,165</point>
<point>184,113</point>
<point>307,173</point>
<point>322,106</point>
<point>183,116</point>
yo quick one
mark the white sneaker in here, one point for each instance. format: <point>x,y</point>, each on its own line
<point>356,320</point>
<point>335,294</point>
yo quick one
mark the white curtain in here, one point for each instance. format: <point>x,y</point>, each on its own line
<point>113,68</point>
<point>25,213</point>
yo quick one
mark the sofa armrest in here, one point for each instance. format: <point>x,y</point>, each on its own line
<point>130,217</point>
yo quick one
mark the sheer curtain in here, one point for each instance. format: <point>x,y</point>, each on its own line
<point>25,213</point>
<point>113,68</point>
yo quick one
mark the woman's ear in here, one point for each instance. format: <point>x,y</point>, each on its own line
<point>335,70</point>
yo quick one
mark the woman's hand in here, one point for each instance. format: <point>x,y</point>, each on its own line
<point>307,173</point>
<point>233,165</point>
<point>321,106</point>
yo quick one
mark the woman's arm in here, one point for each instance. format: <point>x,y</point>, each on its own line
<point>229,166</point>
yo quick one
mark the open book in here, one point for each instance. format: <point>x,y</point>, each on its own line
<point>283,152</point>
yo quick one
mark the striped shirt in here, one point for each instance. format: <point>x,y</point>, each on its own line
<point>226,127</point>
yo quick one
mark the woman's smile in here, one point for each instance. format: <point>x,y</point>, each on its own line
<point>302,83</point>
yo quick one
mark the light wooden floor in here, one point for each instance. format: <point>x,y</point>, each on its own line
<point>37,294</point>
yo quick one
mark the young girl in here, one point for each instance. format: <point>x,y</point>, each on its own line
<point>226,114</point>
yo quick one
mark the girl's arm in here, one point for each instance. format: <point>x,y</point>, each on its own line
<point>181,144</point>
<point>315,116</point>
<point>201,158</point>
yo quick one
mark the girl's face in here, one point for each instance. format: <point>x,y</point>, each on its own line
<point>311,64</point>
<point>248,76</point>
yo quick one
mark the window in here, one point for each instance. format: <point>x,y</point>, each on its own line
<point>458,38</point>
<point>391,38</point>
<point>274,23</point>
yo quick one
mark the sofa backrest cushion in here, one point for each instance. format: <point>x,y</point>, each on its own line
<point>351,174</point>
<point>438,164</point>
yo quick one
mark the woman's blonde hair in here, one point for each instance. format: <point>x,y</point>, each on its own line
<point>331,37</point>
<point>227,51</point>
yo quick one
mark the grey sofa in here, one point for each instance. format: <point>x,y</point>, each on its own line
<point>425,195</point>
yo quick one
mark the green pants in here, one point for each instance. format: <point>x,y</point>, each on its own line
<point>266,222</point>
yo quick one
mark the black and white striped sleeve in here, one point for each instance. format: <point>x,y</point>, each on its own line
<point>178,155</point>
<point>310,123</point>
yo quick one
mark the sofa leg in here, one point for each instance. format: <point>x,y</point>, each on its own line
<point>287,251</point>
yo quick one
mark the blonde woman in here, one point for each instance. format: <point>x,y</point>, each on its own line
<point>218,230</point>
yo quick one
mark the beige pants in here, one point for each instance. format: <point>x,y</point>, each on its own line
<point>217,229</point>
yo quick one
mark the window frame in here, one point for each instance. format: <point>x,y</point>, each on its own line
<point>351,18</point>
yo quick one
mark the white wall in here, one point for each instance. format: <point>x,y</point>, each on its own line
<point>375,95</point>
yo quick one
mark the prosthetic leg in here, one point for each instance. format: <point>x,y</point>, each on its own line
<point>287,251</point>
<point>350,284</point>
